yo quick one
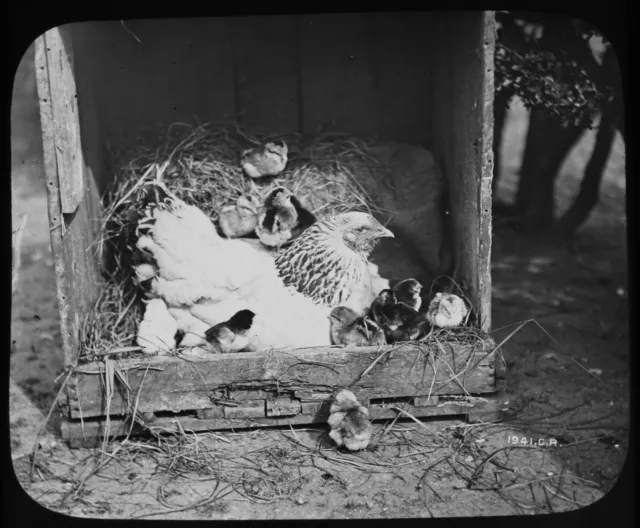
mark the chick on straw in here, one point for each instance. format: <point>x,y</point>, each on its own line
<point>447,310</point>
<point>240,219</point>
<point>232,335</point>
<point>398,321</point>
<point>269,159</point>
<point>283,219</point>
<point>408,292</point>
<point>348,329</point>
<point>349,421</point>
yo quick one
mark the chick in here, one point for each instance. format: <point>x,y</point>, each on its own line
<point>447,310</point>
<point>408,292</point>
<point>283,219</point>
<point>269,159</point>
<point>398,321</point>
<point>349,422</point>
<point>240,219</point>
<point>232,335</point>
<point>347,328</point>
<point>305,218</point>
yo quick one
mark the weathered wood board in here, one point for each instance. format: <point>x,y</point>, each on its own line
<point>90,433</point>
<point>72,197</point>
<point>57,92</point>
<point>166,383</point>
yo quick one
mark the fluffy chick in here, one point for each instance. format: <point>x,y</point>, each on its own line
<point>269,159</point>
<point>349,422</point>
<point>157,330</point>
<point>447,310</point>
<point>232,335</point>
<point>398,321</point>
<point>408,292</point>
<point>282,219</point>
<point>240,219</point>
<point>347,328</point>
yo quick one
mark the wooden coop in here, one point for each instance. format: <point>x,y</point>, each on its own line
<point>422,78</point>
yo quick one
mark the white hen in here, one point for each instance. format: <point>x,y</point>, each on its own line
<point>205,279</point>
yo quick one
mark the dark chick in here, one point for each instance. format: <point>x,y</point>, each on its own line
<point>348,329</point>
<point>232,335</point>
<point>398,321</point>
<point>282,218</point>
<point>408,292</point>
<point>305,218</point>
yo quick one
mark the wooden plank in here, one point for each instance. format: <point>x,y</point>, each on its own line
<point>156,72</point>
<point>463,137</point>
<point>71,235</point>
<point>283,407</point>
<point>90,433</point>
<point>338,91</point>
<point>174,384</point>
<point>315,407</point>
<point>403,69</point>
<point>211,412</point>
<point>423,401</point>
<point>265,65</point>
<point>63,103</point>
<point>248,409</point>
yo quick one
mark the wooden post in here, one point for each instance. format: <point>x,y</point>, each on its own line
<point>54,73</point>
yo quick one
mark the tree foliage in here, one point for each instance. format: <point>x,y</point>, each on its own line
<point>546,60</point>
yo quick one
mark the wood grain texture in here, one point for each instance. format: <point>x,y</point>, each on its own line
<point>155,73</point>
<point>67,148</point>
<point>462,133</point>
<point>76,266</point>
<point>89,434</point>
<point>174,384</point>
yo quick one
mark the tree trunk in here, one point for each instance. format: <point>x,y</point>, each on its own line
<point>547,145</point>
<point>590,185</point>
<point>500,108</point>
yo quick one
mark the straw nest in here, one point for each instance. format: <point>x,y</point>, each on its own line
<point>330,174</point>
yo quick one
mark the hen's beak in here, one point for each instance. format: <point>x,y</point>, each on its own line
<point>384,232</point>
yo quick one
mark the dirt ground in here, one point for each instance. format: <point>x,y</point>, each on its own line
<point>567,382</point>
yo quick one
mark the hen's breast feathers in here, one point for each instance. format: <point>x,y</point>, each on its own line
<point>318,267</point>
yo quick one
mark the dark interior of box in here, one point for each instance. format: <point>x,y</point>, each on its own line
<point>418,78</point>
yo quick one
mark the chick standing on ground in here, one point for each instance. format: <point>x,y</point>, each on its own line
<point>447,310</point>
<point>349,329</point>
<point>266,160</point>
<point>398,321</point>
<point>408,292</point>
<point>240,219</point>
<point>282,219</point>
<point>232,335</point>
<point>349,422</point>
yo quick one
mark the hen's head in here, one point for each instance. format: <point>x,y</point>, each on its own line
<point>359,231</point>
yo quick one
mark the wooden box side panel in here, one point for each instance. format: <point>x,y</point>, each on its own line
<point>363,74</point>
<point>463,137</point>
<point>74,206</point>
<point>287,379</point>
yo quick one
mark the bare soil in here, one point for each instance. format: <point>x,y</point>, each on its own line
<point>567,382</point>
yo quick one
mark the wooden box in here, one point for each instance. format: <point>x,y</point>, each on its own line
<point>423,78</point>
